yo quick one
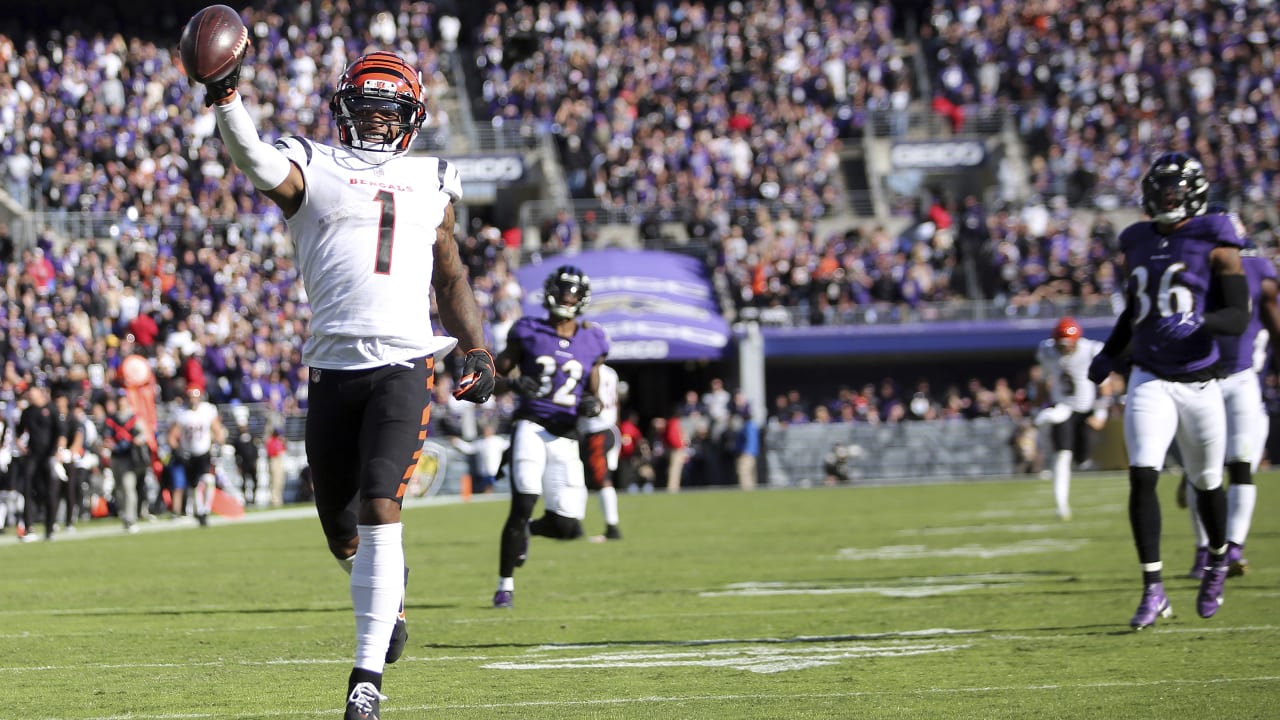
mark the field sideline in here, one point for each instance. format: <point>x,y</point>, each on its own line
<point>961,600</point>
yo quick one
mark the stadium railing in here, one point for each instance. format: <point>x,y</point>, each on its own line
<point>917,451</point>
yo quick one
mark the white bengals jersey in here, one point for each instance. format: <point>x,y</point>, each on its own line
<point>364,239</point>
<point>608,394</point>
<point>1067,376</point>
<point>195,434</point>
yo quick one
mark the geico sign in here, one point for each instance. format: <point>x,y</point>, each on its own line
<point>938,155</point>
<point>490,168</point>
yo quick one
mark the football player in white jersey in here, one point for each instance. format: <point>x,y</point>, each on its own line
<point>373,233</point>
<point>194,430</point>
<point>599,444</point>
<point>1077,407</point>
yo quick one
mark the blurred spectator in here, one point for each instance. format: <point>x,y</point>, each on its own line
<point>65,489</point>
<point>128,458</point>
<point>635,468</point>
<point>38,440</point>
<point>275,448</point>
<point>670,450</point>
<point>245,445</point>
<point>746,447</point>
<point>490,448</point>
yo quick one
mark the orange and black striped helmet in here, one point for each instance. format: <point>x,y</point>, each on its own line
<point>374,88</point>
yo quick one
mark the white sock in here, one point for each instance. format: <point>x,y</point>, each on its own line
<point>1062,480</point>
<point>1197,527</point>
<point>377,585</point>
<point>210,488</point>
<point>201,506</point>
<point>1240,502</point>
<point>507,583</point>
<point>609,505</point>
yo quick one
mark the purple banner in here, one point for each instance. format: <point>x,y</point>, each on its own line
<point>655,305</point>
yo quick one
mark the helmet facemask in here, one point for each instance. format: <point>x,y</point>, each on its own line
<point>566,293</point>
<point>1175,189</point>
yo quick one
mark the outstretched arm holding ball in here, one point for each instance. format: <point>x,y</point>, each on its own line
<point>213,47</point>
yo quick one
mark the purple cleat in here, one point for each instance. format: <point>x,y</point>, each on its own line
<point>1210,597</point>
<point>1197,567</point>
<point>504,600</point>
<point>1154,604</point>
<point>1236,564</point>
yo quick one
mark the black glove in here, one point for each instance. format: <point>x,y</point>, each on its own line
<point>526,386</point>
<point>216,90</point>
<point>589,406</point>
<point>478,378</point>
<point>1099,368</point>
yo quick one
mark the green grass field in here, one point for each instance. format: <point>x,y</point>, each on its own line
<point>940,601</point>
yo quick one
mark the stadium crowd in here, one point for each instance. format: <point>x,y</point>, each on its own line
<point>737,108</point>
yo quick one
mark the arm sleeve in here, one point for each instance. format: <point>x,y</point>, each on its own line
<point>1233,317</point>
<point>1121,333</point>
<point>264,165</point>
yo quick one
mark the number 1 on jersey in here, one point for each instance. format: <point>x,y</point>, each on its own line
<point>386,231</point>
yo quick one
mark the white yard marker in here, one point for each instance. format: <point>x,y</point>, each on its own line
<point>913,552</point>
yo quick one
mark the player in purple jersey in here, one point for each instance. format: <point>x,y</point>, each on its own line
<point>559,358</point>
<point>1184,286</point>
<point>1243,358</point>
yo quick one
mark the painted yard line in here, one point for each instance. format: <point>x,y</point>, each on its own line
<point>756,659</point>
<point>1003,512</point>
<point>112,528</point>
<point>546,648</point>
<point>912,552</point>
<point>979,529</point>
<point>892,635</point>
<point>972,636</point>
<point>1012,577</point>
<point>904,591</point>
<point>907,587</point>
<point>765,660</point>
<point>607,702</point>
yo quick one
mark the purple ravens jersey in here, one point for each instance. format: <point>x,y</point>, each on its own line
<point>561,364</point>
<point>1248,350</point>
<point>1170,274</point>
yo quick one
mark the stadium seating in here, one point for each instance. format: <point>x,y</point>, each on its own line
<point>111,174</point>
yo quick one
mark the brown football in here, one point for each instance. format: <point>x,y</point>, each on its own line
<point>212,42</point>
